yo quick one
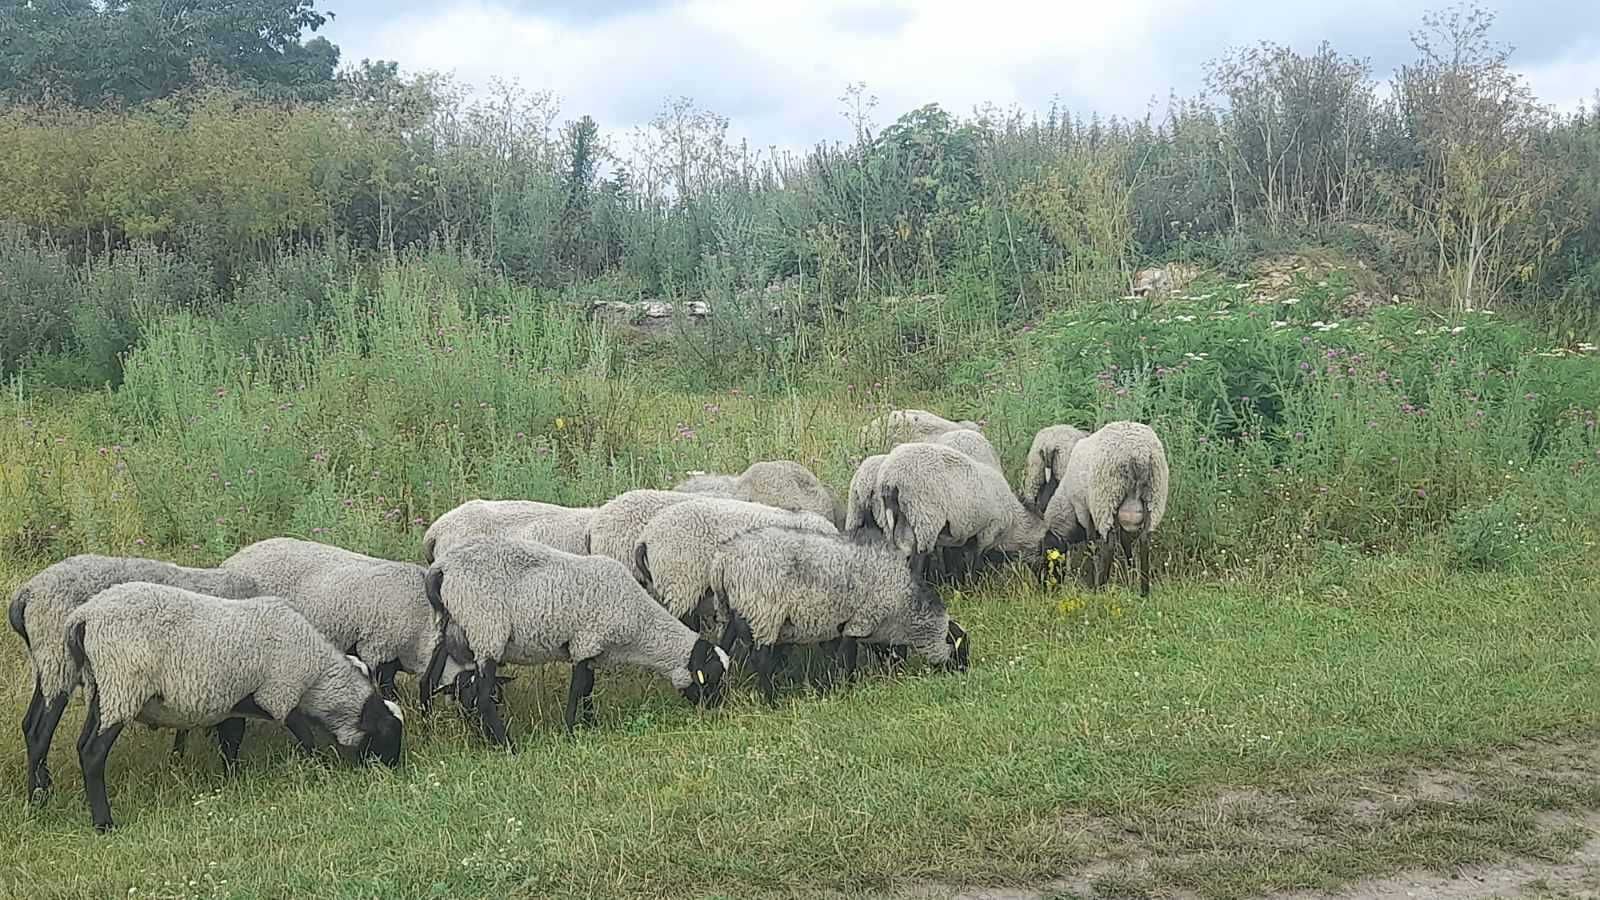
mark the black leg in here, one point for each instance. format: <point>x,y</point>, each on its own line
<point>230,734</point>
<point>180,741</point>
<point>969,561</point>
<point>35,706</point>
<point>764,662</point>
<point>578,691</point>
<point>304,737</point>
<point>1144,563</point>
<point>385,677</point>
<point>847,654</point>
<point>44,731</point>
<point>919,563</point>
<point>488,714</point>
<point>93,747</point>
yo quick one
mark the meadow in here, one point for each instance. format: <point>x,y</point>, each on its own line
<point>1378,556</point>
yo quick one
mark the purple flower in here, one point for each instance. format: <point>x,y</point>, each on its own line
<point>1299,435</point>
<point>1422,492</point>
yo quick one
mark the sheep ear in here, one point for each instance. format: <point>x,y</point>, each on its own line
<point>700,675</point>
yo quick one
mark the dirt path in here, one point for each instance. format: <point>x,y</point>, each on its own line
<point>1521,823</point>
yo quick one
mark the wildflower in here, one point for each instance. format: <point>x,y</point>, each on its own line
<point>1290,301</point>
<point>1299,435</point>
<point>138,542</point>
<point>1278,323</point>
<point>1422,493</point>
<point>1053,555</point>
<point>1457,330</point>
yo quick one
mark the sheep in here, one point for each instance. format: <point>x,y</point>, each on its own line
<point>676,548</point>
<point>509,601</point>
<point>173,658</point>
<point>38,614</point>
<point>863,496</point>
<point>973,444</point>
<point>1114,486</point>
<point>376,608</point>
<point>1047,459</point>
<point>615,528</point>
<point>786,586</point>
<point>561,527</point>
<point>904,425</point>
<point>780,483</point>
<point>933,496</point>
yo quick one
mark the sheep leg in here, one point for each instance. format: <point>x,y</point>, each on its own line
<point>230,734</point>
<point>180,741</point>
<point>44,731</point>
<point>94,745</point>
<point>299,726</point>
<point>1144,563</point>
<point>969,562</point>
<point>763,661</point>
<point>488,713</point>
<point>847,652</point>
<point>385,677</point>
<point>35,705</point>
<point>919,563</point>
<point>579,694</point>
<point>1102,560</point>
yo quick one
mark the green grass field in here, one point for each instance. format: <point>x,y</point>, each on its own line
<point>1351,592</point>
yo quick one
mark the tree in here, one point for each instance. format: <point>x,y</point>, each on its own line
<point>134,51</point>
<point>582,145</point>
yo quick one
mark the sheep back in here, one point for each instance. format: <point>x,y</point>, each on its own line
<point>1117,474</point>
<point>565,528</point>
<point>615,528</point>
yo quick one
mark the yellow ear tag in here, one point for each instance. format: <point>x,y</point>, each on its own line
<point>958,642</point>
<point>700,675</point>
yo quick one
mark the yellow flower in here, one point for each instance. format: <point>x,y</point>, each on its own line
<point>560,423</point>
<point>1053,555</point>
<point>1116,612</point>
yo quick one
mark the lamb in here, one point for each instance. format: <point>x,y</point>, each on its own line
<point>859,517</point>
<point>932,496</point>
<point>1047,459</point>
<point>561,527</point>
<point>904,425</point>
<point>785,586</point>
<point>1114,486</point>
<point>677,548</point>
<point>508,601</point>
<point>780,483</point>
<point>973,444</point>
<point>376,608</point>
<point>616,526</point>
<point>38,615</point>
<point>173,658</point>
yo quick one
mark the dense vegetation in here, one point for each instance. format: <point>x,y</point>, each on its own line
<point>261,298</point>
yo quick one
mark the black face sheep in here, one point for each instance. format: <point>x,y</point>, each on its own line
<point>678,547</point>
<point>783,586</point>
<point>780,483</point>
<point>172,658</point>
<point>903,425</point>
<point>858,514</point>
<point>561,527</point>
<point>375,608</point>
<point>614,531</point>
<point>973,444</point>
<point>38,615</point>
<point>930,496</point>
<point>509,601</point>
<point>1114,489</point>
<point>1047,459</point>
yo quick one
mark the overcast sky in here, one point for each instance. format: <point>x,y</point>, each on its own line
<point>778,69</point>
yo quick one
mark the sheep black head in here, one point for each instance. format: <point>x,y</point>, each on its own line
<point>708,665</point>
<point>960,647</point>
<point>381,728</point>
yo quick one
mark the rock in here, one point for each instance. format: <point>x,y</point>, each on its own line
<point>648,317</point>
<point>1163,279</point>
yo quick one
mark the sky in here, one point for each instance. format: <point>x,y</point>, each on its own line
<point>778,70</point>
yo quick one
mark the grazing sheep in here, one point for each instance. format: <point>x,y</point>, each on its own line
<point>376,608</point>
<point>1114,486</point>
<point>562,527</point>
<point>784,586</point>
<point>38,615</point>
<point>973,444</point>
<point>858,516</point>
<point>173,658</point>
<point>678,547</point>
<point>614,531</point>
<point>780,483</point>
<point>509,601</point>
<point>1047,459</point>
<point>904,425</point>
<point>932,496</point>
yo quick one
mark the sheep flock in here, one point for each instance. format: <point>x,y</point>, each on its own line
<point>724,572</point>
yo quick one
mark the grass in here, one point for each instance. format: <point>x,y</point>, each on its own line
<point>1378,557</point>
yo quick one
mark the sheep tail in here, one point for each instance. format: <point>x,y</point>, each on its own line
<point>641,561</point>
<point>80,659</point>
<point>15,616</point>
<point>895,524</point>
<point>428,546</point>
<point>434,585</point>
